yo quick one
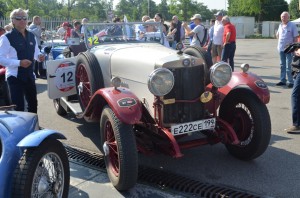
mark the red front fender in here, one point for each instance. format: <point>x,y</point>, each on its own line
<point>123,103</point>
<point>241,79</point>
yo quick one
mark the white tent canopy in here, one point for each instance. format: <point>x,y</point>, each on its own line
<point>296,20</point>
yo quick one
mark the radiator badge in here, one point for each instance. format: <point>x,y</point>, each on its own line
<point>206,97</point>
<point>126,102</point>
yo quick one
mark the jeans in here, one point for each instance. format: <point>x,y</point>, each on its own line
<point>173,44</point>
<point>228,53</point>
<point>285,67</point>
<point>18,89</point>
<point>296,101</point>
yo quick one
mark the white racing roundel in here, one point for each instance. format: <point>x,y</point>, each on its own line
<point>65,76</point>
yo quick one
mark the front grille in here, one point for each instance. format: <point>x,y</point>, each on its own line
<point>189,85</point>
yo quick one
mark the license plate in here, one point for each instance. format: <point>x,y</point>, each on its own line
<point>189,127</point>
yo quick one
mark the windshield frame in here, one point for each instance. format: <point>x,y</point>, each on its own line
<point>124,38</point>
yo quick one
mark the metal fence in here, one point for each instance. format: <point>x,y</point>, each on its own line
<point>47,23</point>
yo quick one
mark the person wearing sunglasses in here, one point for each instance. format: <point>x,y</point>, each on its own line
<point>18,50</point>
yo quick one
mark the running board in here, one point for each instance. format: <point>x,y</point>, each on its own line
<point>73,106</point>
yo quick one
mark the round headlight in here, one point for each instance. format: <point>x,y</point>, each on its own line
<point>220,74</point>
<point>161,82</point>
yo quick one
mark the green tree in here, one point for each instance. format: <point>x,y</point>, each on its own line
<point>262,10</point>
<point>185,9</point>
<point>3,9</point>
<point>294,9</point>
<point>163,8</point>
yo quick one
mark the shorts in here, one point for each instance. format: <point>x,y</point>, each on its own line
<point>216,50</point>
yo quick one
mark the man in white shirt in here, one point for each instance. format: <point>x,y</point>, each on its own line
<point>61,31</point>
<point>217,38</point>
<point>82,27</point>
<point>139,29</point>
<point>18,50</point>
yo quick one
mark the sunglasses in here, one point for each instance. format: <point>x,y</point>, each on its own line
<point>19,18</point>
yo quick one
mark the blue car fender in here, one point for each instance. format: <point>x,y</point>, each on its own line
<point>34,139</point>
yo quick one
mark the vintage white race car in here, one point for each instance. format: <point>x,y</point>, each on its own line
<point>149,98</point>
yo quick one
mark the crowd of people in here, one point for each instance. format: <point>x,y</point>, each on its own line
<point>219,40</point>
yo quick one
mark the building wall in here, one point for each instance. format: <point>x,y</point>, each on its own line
<point>244,25</point>
<point>269,28</point>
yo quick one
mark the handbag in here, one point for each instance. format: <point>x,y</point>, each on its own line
<point>170,37</point>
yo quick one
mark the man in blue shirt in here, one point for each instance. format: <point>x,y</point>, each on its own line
<point>18,50</point>
<point>287,33</point>
<point>192,25</point>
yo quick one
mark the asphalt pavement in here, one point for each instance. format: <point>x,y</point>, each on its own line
<point>274,174</point>
<point>86,182</point>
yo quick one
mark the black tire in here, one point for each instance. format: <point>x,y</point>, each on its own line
<point>58,108</point>
<point>4,92</point>
<point>250,120</point>
<point>89,74</point>
<point>201,53</point>
<point>48,164</point>
<point>121,165</point>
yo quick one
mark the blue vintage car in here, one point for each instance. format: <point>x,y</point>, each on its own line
<point>58,49</point>
<point>33,162</point>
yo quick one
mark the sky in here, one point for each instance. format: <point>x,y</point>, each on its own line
<point>211,4</point>
<point>215,4</point>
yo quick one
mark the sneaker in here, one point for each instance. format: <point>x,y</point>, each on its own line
<point>280,84</point>
<point>293,130</point>
<point>290,85</point>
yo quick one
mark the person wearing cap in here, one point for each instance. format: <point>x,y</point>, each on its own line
<point>197,32</point>
<point>217,38</point>
<point>18,50</point>
<point>229,38</point>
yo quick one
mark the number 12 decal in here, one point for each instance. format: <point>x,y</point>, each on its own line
<point>65,74</point>
<point>69,77</point>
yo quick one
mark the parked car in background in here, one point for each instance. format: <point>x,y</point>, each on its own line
<point>59,49</point>
<point>33,162</point>
<point>152,99</point>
